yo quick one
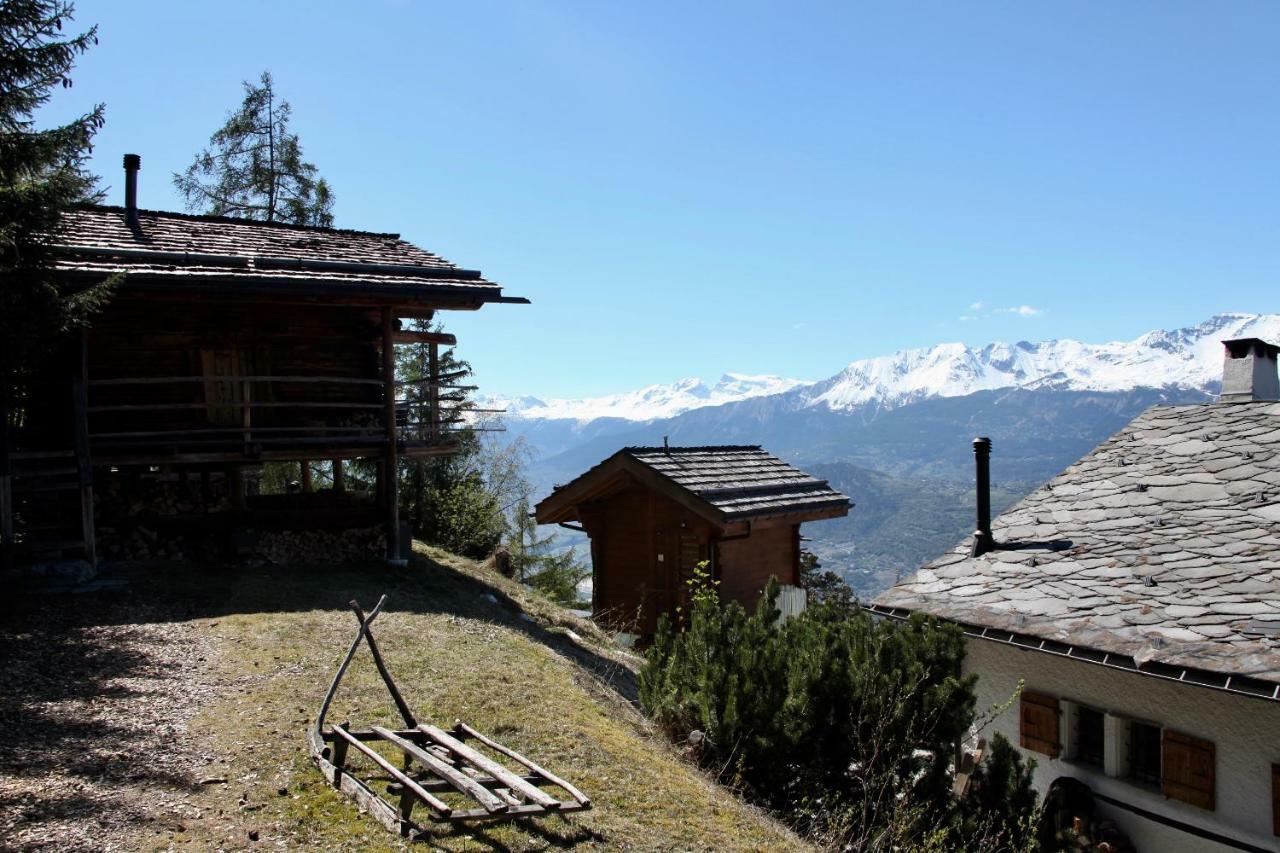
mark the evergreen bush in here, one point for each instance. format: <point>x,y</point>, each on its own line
<point>844,724</point>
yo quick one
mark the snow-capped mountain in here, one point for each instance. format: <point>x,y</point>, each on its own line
<point>1188,358</point>
<point>1185,358</point>
<point>894,432</point>
<point>652,402</point>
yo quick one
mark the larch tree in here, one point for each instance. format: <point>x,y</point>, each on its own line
<point>254,169</point>
<point>43,174</point>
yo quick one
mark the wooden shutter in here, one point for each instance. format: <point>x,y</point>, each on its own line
<point>1275,799</point>
<point>1039,724</point>
<point>1188,771</point>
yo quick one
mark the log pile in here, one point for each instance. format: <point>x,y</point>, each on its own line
<point>161,495</point>
<point>317,547</point>
<point>139,542</point>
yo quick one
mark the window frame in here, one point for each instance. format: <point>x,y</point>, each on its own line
<point>1156,747</point>
<point>1096,759</point>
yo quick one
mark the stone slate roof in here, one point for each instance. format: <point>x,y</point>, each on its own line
<point>742,481</point>
<point>227,249</point>
<point>1163,544</point>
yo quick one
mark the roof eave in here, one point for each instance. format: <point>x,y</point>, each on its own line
<point>457,297</point>
<point>1236,683</point>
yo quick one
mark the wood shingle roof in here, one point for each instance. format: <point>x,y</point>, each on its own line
<point>180,249</point>
<point>742,481</point>
<point>1163,544</point>
<point>727,483</point>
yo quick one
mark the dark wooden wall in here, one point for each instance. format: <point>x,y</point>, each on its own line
<point>645,546</point>
<point>149,337</point>
<point>745,565</point>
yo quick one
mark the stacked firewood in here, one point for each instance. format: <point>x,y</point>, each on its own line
<point>119,497</point>
<point>139,542</point>
<point>314,547</point>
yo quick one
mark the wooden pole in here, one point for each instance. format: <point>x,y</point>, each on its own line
<point>305,479</point>
<point>80,405</point>
<point>6,471</point>
<point>391,466</point>
<point>434,390</point>
<point>339,477</point>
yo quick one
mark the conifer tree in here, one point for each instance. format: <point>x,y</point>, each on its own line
<point>457,502</point>
<point>537,562</point>
<point>42,175</point>
<point>254,167</point>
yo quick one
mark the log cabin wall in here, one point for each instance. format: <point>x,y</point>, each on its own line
<point>745,565</point>
<point>644,549</point>
<point>208,344</point>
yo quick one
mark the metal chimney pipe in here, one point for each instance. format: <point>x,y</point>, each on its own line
<point>983,541</point>
<point>132,163</point>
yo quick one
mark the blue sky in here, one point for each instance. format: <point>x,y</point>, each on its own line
<point>687,189</point>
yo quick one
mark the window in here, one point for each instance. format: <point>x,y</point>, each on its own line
<point>1144,752</point>
<point>1038,724</point>
<point>1090,737</point>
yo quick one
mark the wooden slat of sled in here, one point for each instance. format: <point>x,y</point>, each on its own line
<point>426,796</point>
<point>488,765</point>
<point>515,756</point>
<point>444,770</point>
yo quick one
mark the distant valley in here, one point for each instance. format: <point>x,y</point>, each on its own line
<point>894,432</point>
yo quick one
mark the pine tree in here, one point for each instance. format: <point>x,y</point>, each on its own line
<point>824,587</point>
<point>538,563</point>
<point>42,176</point>
<point>254,169</point>
<point>457,502</point>
<point>843,723</point>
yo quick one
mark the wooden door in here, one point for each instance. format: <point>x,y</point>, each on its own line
<point>224,392</point>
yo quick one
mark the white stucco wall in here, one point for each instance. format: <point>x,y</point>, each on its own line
<point>1245,731</point>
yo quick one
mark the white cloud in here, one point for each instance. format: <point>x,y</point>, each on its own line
<point>977,306</point>
<point>1021,311</point>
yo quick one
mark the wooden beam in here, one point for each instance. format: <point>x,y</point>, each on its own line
<point>160,407</point>
<point>407,336</point>
<point>339,477</point>
<point>163,456</point>
<point>396,773</point>
<point>391,461</point>
<point>444,770</point>
<point>305,477</point>
<point>433,356</point>
<point>174,380</point>
<point>465,730</point>
<point>80,409</point>
<point>488,765</point>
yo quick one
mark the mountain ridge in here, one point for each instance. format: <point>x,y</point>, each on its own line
<point>1188,358</point>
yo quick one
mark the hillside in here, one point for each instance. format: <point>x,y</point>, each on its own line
<point>171,710</point>
<point>897,523</point>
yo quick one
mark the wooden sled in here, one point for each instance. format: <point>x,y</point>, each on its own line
<point>453,779</point>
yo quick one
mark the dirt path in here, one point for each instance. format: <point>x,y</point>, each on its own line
<point>97,700</point>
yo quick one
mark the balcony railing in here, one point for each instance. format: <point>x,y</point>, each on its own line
<point>269,416</point>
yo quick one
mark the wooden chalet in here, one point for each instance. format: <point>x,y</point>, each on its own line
<point>230,343</point>
<point>654,513</point>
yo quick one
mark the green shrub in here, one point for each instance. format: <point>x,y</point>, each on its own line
<point>842,723</point>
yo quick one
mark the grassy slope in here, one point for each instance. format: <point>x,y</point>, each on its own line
<point>509,668</point>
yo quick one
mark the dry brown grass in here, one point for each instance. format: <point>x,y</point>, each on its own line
<point>462,642</point>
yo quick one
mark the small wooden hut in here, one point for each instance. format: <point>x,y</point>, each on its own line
<point>231,343</point>
<point>654,513</point>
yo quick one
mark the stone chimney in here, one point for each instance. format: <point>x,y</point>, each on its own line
<point>1249,371</point>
